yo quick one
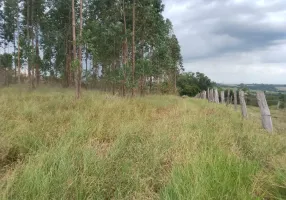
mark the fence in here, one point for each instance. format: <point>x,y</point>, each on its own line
<point>235,98</point>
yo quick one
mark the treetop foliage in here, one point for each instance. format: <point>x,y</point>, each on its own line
<point>191,84</point>
<point>44,29</point>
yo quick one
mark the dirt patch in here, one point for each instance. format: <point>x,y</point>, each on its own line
<point>11,156</point>
<point>101,147</point>
<point>209,111</point>
<point>8,160</point>
<point>161,113</point>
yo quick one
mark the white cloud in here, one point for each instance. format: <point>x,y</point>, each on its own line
<point>232,41</point>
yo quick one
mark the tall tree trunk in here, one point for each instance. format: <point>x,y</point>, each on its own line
<point>142,85</point>
<point>79,67</point>
<point>29,42</point>
<point>125,43</point>
<point>74,46</point>
<point>175,81</point>
<point>19,61</point>
<point>5,76</point>
<point>14,59</point>
<point>37,55</point>
<point>33,48</point>
<point>133,49</point>
<point>95,69</point>
<point>67,63</point>
<point>70,74</point>
<point>113,81</point>
<point>5,69</point>
<point>142,71</point>
<point>150,84</point>
<point>125,52</point>
<point>37,64</point>
<point>86,59</point>
<point>33,64</point>
<point>69,53</point>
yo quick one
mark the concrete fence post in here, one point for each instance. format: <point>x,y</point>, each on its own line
<point>228,97</point>
<point>222,96</point>
<point>204,94</point>
<point>278,105</point>
<point>235,99</point>
<point>211,95</point>
<point>216,96</point>
<point>265,112</point>
<point>243,104</point>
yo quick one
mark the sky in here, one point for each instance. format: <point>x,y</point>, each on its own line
<point>232,41</point>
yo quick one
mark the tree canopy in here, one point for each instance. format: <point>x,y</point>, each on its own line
<point>191,84</point>
<point>42,36</point>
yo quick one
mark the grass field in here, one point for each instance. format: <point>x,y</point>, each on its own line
<point>156,147</point>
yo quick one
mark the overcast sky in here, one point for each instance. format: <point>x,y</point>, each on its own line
<point>232,41</point>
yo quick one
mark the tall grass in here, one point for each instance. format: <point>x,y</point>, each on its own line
<point>156,147</point>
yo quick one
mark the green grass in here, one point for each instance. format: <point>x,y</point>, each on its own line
<point>213,174</point>
<point>278,117</point>
<point>156,147</point>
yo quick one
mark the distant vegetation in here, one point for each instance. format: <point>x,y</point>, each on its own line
<point>191,83</point>
<point>274,97</point>
<point>265,87</point>
<point>262,87</point>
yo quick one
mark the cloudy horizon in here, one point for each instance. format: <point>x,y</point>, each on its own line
<point>232,41</point>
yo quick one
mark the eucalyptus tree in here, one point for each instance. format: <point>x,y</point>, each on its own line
<point>176,59</point>
<point>116,35</point>
<point>104,36</point>
<point>1,22</point>
<point>74,46</point>
<point>151,32</point>
<point>108,29</point>
<point>158,49</point>
<point>33,13</point>
<point>6,66</point>
<point>10,24</point>
<point>57,41</point>
<point>79,67</point>
<point>133,44</point>
<point>37,21</point>
<point>10,20</point>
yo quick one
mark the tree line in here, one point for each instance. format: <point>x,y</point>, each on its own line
<point>117,45</point>
<point>190,83</point>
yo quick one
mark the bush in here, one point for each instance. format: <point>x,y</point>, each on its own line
<point>192,83</point>
<point>189,90</point>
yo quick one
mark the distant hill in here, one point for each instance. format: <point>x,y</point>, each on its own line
<point>263,87</point>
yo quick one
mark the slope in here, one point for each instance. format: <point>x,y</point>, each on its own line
<point>156,147</point>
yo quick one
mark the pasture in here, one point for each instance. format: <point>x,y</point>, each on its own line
<point>153,147</point>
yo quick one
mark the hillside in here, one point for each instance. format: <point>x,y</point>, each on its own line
<point>156,147</point>
<point>262,87</point>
